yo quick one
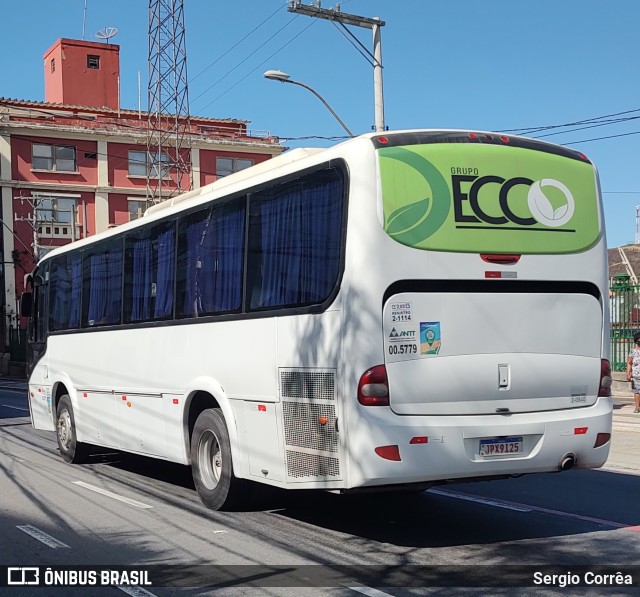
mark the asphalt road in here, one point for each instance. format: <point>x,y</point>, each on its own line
<point>54,514</point>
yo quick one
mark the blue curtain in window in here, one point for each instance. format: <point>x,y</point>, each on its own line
<point>301,232</point>
<point>192,297</point>
<point>114,286</point>
<point>165,275</point>
<point>321,240</point>
<point>75,303</point>
<point>141,282</point>
<point>105,292</point>
<point>60,290</point>
<point>97,289</point>
<point>222,259</point>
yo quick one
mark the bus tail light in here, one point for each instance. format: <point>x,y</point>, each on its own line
<point>605,379</point>
<point>373,388</point>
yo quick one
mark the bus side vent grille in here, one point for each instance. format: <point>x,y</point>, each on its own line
<point>307,385</point>
<point>301,465</point>
<point>310,426</point>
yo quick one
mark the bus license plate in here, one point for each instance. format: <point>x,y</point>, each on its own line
<point>501,446</point>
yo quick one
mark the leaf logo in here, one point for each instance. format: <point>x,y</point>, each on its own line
<point>543,209</point>
<point>414,222</point>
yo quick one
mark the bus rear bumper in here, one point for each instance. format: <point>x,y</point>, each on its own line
<point>423,449</point>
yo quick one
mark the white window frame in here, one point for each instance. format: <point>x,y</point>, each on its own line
<point>54,160</point>
<point>55,227</point>
<point>146,166</point>
<point>222,172</point>
<point>140,210</point>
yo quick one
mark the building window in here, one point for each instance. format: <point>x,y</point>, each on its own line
<point>55,216</point>
<point>93,61</point>
<point>53,65</point>
<point>137,207</point>
<point>226,166</point>
<point>141,161</point>
<point>59,158</point>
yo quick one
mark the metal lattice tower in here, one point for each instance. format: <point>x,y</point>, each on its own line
<point>168,139</point>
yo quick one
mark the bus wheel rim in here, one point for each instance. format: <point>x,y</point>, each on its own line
<point>209,460</point>
<point>64,429</point>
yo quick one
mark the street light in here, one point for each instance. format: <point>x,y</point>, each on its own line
<point>278,75</point>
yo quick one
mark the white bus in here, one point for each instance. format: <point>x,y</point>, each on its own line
<point>401,310</point>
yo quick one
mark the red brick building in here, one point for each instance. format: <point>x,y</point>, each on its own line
<point>76,164</point>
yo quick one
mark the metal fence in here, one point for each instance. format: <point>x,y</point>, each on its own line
<point>624,303</point>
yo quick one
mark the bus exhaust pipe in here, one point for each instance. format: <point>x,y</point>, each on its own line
<point>567,462</point>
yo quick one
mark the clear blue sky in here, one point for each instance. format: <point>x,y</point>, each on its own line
<point>483,65</point>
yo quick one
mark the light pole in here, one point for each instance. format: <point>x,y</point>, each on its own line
<point>277,75</point>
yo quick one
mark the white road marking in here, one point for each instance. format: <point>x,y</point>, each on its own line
<point>479,500</point>
<point>41,536</point>
<point>529,508</point>
<point>110,494</point>
<point>136,592</point>
<point>370,592</point>
<point>15,407</point>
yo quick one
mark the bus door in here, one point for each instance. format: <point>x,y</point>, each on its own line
<point>35,304</point>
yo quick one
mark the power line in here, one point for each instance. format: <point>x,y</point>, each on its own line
<point>536,129</point>
<point>602,138</point>
<point>237,43</point>
<point>250,55</point>
<point>258,66</point>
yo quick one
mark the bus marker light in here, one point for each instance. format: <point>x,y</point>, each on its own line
<point>262,408</point>
<point>602,439</point>
<point>39,389</point>
<point>32,394</point>
<point>383,140</point>
<point>505,139</point>
<point>323,420</point>
<point>580,430</point>
<point>501,259</point>
<point>84,394</point>
<point>124,397</point>
<point>473,136</point>
<point>419,439</point>
<point>176,401</point>
<point>389,453</point>
<point>493,274</point>
<point>129,404</point>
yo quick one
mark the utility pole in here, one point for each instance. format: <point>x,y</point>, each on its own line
<point>168,123</point>
<point>335,15</point>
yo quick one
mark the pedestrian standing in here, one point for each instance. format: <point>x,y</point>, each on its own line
<point>633,371</point>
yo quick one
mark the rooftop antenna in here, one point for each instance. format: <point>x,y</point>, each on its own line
<point>107,33</point>
<point>84,18</point>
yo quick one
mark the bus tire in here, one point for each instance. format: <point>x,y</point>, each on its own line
<point>211,463</point>
<point>71,449</point>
